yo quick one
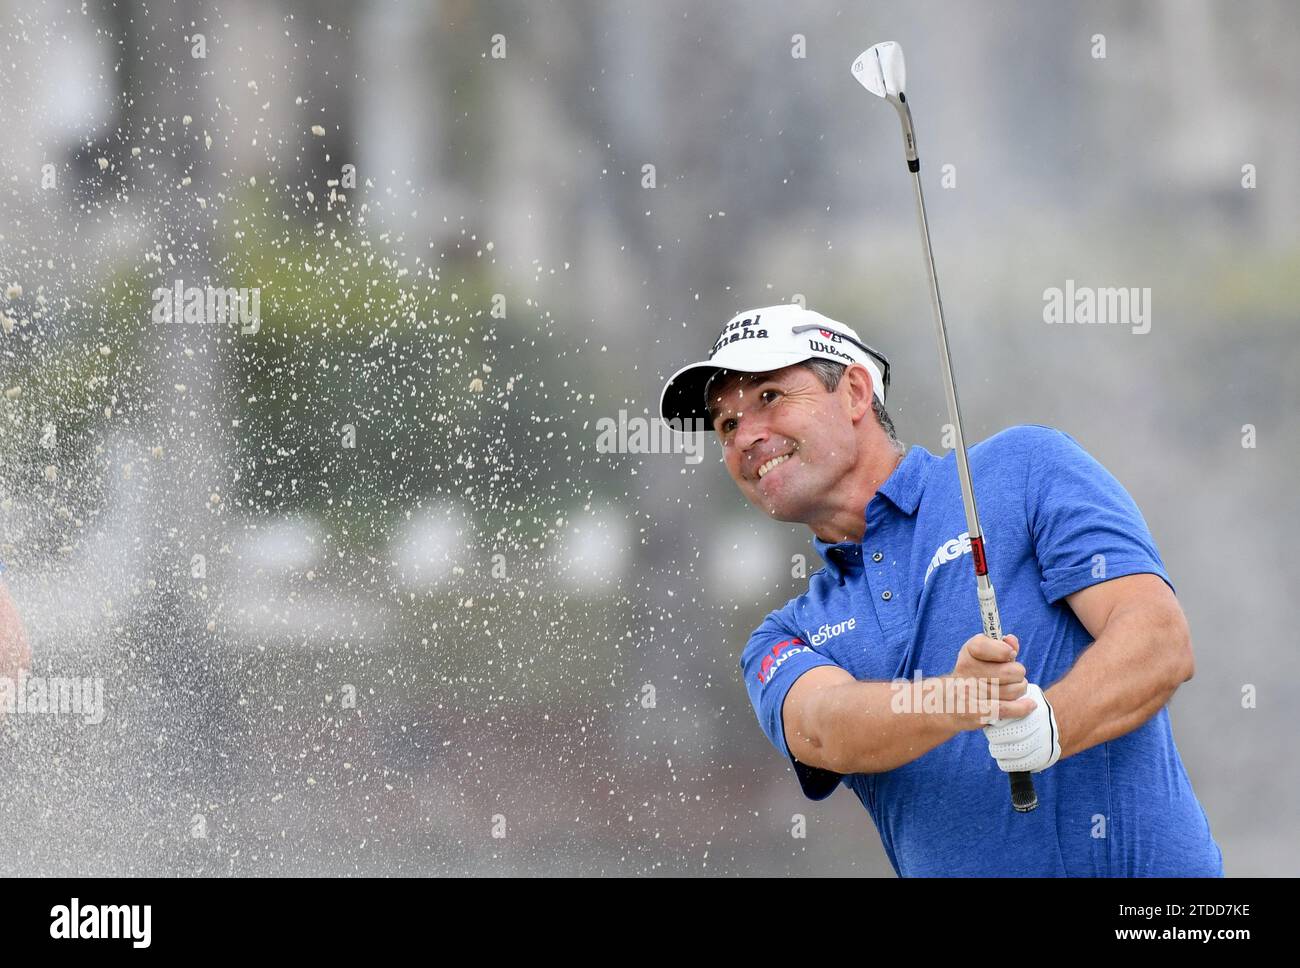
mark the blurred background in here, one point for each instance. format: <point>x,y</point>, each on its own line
<point>364,594</point>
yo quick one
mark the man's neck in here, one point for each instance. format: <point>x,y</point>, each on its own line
<point>847,522</point>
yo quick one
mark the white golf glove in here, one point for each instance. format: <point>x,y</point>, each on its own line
<point>1029,744</point>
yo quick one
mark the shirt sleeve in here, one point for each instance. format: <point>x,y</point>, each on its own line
<point>773,659</point>
<point>1085,527</point>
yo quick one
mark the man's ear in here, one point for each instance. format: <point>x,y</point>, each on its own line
<point>857,384</point>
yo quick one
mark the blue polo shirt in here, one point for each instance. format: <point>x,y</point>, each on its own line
<point>903,602</point>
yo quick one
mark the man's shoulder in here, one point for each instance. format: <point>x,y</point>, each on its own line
<point>1026,445</point>
<point>1025,438</point>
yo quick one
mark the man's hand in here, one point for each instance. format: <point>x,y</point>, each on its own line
<point>991,681</point>
<point>1029,744</point>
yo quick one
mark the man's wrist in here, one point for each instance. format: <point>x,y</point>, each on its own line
<point>965,703</point>
<point>1057,696</point>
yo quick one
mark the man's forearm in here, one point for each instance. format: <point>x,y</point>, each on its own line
<point>1123,679</point>
<point>860,732</point>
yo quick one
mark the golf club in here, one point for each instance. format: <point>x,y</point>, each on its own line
<point>881,71</point>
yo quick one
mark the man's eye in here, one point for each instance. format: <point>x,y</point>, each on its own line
<point>728,425</point>
<point>768,396</point>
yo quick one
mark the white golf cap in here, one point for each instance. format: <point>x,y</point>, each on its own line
<point>762,340</point>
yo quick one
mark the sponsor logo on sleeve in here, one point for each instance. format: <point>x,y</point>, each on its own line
<point>779,654</point>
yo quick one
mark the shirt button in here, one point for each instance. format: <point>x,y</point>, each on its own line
<point>877,556</point>
<point>886,595</point>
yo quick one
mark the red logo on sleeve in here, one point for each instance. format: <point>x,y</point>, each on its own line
<point>780,652</point>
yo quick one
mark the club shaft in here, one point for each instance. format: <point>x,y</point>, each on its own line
<point>1023,796</point>
<point>950,387</point>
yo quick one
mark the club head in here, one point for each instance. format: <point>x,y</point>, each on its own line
<point>881,71</point>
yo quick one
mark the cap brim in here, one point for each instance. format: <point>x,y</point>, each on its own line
<point>683,398</point>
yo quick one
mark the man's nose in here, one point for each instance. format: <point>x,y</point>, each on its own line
<point>750,430</point>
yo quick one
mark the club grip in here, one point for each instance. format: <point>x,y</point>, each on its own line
<point>989,610</point>
<point>1023,796</point>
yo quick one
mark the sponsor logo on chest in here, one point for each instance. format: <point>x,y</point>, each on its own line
<point>831,629</point>
<point>950,550</point>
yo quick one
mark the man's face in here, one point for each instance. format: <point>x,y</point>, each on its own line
<point>786,441</point>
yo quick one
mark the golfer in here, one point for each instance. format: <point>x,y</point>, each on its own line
<point>1096,645</point>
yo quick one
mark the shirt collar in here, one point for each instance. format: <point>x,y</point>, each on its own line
<point>903,488</point>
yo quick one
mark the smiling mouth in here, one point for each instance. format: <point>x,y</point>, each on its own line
<point>767,466</point>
